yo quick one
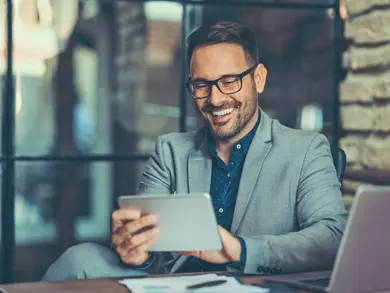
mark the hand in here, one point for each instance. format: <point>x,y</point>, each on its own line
<point>133,234</point>
<point>230,252</point>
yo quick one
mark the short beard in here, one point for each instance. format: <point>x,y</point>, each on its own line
<point>242,119</point>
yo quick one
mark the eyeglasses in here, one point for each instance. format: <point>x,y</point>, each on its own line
<point>227,84</point>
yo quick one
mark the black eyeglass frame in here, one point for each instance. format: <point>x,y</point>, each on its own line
<point>210,83</point>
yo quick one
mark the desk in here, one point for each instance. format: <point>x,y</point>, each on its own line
<point>110,286</point>
<point>90,286</point>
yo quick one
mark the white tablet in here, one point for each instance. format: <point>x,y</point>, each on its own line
<point>187,221</point>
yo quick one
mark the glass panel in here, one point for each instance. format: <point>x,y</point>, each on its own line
<point>156,85</point>
<point>48,200</point>
<point>45,192</point>
<point>194,17</point>
<point>296,48</point>
<point>113,90</point>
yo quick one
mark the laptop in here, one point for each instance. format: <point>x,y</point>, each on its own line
<point>363,259</point>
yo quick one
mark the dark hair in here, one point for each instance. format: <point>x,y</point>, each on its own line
<point>224,32</point>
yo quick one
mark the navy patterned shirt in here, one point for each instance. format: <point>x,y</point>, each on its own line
<point>225,180</point>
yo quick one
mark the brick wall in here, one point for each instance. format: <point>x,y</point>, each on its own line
<point>365,94</point>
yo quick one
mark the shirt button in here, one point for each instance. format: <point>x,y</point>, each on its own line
<point>228,174</point>
<point>238,146</point>
<point>220,210</point>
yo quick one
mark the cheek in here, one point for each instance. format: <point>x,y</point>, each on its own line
<point>199,104</point>
<point>249,96</point>
<point>247,100</point>
<point>242,98</point>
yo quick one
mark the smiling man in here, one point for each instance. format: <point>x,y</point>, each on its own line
<point>275,191</point>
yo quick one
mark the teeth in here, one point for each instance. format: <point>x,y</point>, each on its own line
<point>223,112</point>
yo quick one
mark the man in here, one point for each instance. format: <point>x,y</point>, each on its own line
<point>275,191</point>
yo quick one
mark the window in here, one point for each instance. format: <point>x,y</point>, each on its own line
<point>95,91</point>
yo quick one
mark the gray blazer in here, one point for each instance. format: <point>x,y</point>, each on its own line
<point>289,207</point>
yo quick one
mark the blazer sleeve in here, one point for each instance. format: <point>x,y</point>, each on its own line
<point>321,218</point>
<point>157,179</point>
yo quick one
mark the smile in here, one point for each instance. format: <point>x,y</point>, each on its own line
<point>223,112</point>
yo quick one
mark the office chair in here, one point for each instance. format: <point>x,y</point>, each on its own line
<point>340,161</point>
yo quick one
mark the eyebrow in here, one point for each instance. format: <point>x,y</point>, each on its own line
<point>205,79</point>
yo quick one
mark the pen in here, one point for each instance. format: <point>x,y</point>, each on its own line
<point>206,284</point>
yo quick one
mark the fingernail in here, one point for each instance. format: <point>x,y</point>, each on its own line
<point>152,218</point>
<point>156,231</point>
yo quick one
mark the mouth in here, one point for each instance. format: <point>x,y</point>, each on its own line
<point>222,113</point>
<point>221,117</point>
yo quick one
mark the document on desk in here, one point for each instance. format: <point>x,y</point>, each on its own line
<point>208,283</point>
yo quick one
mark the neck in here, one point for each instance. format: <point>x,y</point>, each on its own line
<point>224,147</point>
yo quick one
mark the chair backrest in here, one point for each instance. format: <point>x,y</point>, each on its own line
<point>340,161</point>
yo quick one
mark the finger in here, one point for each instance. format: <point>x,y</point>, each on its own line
<point>136,240</point>
<point>136,261</point>
<point>141,259</point>
<point>119,219</point>
<point>224,234</point>
<point>222,230</point>
<point>140,238</point>
<point>122,215</point>
<point>142,248</point>
<point>134,255</point>
<point>132,227</point>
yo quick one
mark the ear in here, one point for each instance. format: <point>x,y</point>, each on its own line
<point>260,77</point>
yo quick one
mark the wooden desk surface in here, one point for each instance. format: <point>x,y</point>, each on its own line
<point>112,285</point>
<point>88,286</point>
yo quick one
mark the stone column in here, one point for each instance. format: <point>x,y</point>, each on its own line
<point>365,94</point>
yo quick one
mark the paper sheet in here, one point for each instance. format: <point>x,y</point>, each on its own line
<point>179,284</point>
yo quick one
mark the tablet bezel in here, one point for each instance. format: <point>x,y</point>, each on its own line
<point>203,222</point>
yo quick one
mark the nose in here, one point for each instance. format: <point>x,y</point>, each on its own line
<point>216,98</point>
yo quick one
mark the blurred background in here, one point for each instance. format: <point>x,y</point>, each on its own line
<point>97,81</point>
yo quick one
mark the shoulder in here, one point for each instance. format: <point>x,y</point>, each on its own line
<point>300,149</point>
<point>282,134</point>
<point>181,141</point>
<point>298,144</point>
<point>177,138</point>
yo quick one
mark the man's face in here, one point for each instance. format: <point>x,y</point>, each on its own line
<point>228,115</point>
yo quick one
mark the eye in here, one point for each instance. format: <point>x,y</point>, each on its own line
<point>229,80</point>
<point>200,85</point>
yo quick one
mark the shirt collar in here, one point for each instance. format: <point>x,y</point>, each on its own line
<point>245,142</point>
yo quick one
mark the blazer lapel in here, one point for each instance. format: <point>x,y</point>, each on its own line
<point>199,178</point>
<point>258,151</point>
<point>199,169</point>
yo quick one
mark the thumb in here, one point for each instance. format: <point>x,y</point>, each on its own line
<point>224,234</point>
